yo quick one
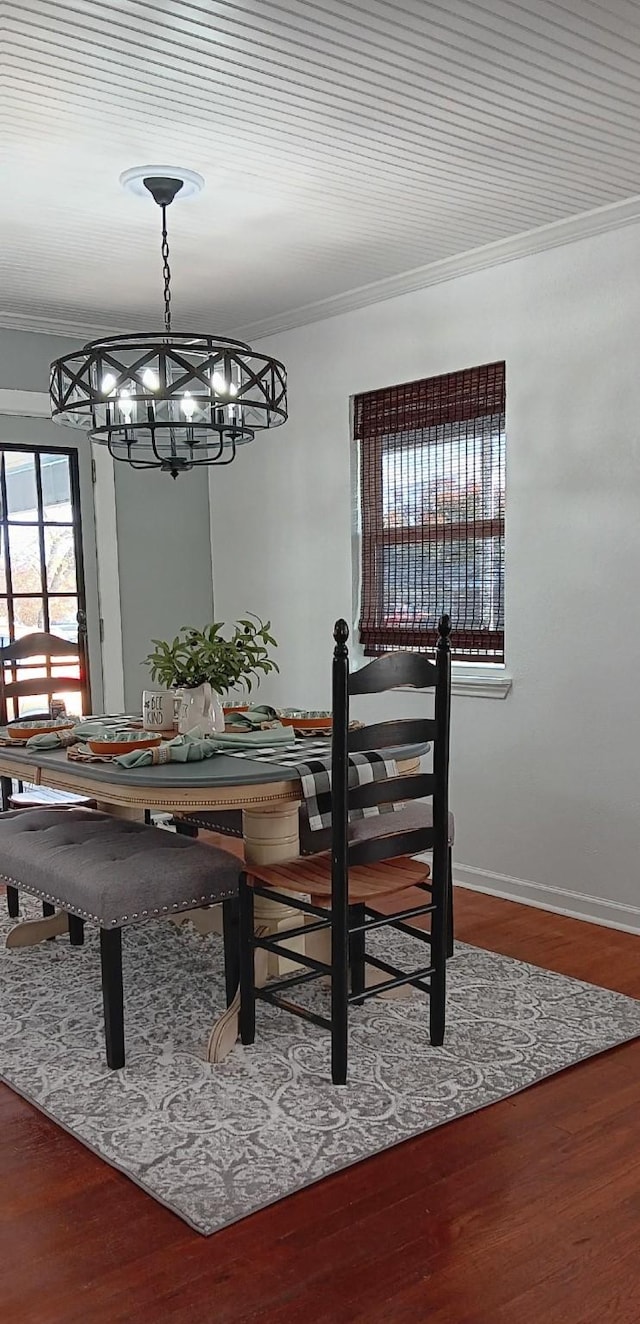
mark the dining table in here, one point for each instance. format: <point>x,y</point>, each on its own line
<point>267,791</point>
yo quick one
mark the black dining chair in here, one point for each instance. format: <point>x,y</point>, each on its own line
<point>345,882</point>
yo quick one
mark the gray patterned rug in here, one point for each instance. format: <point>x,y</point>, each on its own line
<point>215,1143</point>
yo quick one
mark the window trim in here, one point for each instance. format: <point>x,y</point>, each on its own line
<point>368,521</point>
<point>474,681</point>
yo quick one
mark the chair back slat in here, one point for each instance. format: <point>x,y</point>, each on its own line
<point>389,735</point>
<point>391,844</point>
<point>392,790</point>
<point>16,689</point>
<point>39,644</point>
<point>34,653</point>
<point>391,671</point>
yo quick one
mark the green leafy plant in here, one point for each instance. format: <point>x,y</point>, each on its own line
<point>195,657</point>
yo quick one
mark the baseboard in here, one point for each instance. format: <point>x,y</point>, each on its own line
<point>577,905</point>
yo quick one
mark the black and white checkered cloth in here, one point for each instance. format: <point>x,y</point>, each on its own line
<point>301,749</point>
<point>315,779</point>
<point>315,775</point>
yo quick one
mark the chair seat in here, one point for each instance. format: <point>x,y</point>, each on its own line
<point>50,800</point>
<point>405,818</point>
<point>417,814</point>
<point>312,875</point>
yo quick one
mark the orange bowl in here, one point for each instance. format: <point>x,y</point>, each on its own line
<point>301,720</point>
<point>123,746</point>
<point>25,732</point>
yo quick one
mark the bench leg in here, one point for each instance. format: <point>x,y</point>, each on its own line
<point>231,938</point>
<point>13,902</point>
<point>111,959</point>
<point>76,931</point>
<point>48,910</point>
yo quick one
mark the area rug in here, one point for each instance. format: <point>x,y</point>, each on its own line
<point>216,1143</point>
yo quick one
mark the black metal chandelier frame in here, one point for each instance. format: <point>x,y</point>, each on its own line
<point>77,396</point>
<point>169,400</point>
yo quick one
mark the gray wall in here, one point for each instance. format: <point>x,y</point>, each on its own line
<point>163,527</point>
<point>25,359</point>
<point>164,552</point>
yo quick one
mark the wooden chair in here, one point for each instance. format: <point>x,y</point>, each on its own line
<point>345,883</point>
<point>33,653</point>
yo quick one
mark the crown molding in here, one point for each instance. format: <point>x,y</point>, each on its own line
<point>28,404</point>
<point>52,326</point>
<point>601,219</point>
<point>613,216</point>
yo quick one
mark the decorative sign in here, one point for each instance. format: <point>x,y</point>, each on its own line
<point>158,710</point>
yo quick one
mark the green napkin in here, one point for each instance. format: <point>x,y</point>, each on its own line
<point>88,730</point>
<point>275,735</point>
<point>52,740</point>
<point>254,717</point>
<point>69,736</point>
<point>182,749</point>
<point>192,749</point>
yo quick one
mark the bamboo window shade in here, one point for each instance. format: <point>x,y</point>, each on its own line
<point>432,489</point>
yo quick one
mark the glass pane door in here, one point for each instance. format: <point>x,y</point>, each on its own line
<point>41,573</point>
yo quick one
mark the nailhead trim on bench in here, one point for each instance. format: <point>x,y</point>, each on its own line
<point>126,919</point>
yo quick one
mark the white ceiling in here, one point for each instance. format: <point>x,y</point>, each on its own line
<point>342,142</point>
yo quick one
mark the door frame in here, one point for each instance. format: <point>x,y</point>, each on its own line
<point>99,539</point>
<point>26,448</point>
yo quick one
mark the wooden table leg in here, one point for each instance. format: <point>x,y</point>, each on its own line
<point>28,932</point>
<point>270,835</point>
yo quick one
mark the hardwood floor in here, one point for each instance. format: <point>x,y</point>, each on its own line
<point>526,1213</point>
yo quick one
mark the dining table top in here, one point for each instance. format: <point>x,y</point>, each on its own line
<point>222,779</point>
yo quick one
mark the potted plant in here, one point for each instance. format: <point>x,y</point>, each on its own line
<point>207,666</point>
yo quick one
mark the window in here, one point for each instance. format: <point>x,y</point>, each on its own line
<point>432,483</point>
<point>41,574</point>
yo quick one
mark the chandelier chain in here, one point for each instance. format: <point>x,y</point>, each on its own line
<point>166,271</point>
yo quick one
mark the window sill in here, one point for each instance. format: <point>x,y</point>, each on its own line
<point>479,686</point>
<point>473,684</point>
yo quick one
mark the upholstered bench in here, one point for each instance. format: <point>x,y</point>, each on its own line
<point>115,872</point>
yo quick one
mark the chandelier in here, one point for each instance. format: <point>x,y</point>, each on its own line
<point>164,399</point>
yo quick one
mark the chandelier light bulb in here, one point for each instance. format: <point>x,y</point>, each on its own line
<point>126,404</point>
<point>108,383</point>
<point>188,405</point>
<point>150,379</point>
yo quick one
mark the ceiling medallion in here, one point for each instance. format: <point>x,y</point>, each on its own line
<point>164,399</point>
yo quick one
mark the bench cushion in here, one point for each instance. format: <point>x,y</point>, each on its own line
<point>110,870</point>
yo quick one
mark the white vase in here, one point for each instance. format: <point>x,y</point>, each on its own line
<point>201,711</point>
